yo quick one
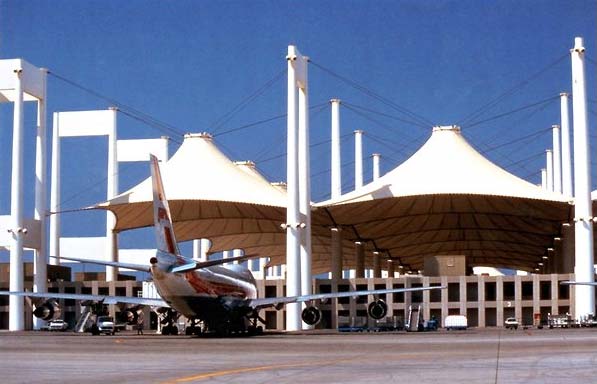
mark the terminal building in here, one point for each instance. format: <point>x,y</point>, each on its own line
<point>428,222</point>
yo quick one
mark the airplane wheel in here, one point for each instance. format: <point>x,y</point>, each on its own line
<point>166,330</point>
<point>173,330</point>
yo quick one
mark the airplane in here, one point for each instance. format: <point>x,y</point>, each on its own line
<point>223,297</point>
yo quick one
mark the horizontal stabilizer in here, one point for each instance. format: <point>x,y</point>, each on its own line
<point>204,264</point>
<point>135,267</point>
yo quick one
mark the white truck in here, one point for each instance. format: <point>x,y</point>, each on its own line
<point>453,322</point>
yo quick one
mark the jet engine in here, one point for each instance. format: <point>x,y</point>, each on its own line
<point>130,314</point>
<point>48,310</point>
<point>311,315</point>
<point>377,309</point>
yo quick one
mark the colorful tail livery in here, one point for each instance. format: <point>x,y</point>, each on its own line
<point>164,230</point>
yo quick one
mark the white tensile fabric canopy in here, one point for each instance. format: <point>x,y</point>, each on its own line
<point>448,199</point>
<point>212,197</point>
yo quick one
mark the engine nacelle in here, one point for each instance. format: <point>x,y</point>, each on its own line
<point>377,309</point>
<point>48,310</point>
<point>311,315</point>
<point>130,314</point>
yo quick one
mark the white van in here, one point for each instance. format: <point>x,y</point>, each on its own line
<point>455,322</point>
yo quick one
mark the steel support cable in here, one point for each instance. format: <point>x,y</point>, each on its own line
<point>532,157</point>
<point>219,123</point>
<point>500,132</point>
<point>142,116</point>
<point>479,111</point>
<point>250,125</point>
<point>144,121</point>
<point>310,146</point>
<point>550,99</point>
<point>384,114</point>
<point>369,118</point>
<point>397,148</point>
<point>374,95</point>
<point>267,148</point>
<point>516,140</point>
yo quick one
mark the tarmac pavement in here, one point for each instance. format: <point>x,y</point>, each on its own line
<point>472,356</point>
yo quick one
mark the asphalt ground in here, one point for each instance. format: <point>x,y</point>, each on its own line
<point>472,356</point>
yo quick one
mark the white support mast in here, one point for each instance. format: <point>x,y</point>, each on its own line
<point>376,157</point>
<point>549,167</point>
<point>566,157</point>
<point>358,159</point>
<point>583,268</point>
<point>557,159</point>
<point>336,171</point>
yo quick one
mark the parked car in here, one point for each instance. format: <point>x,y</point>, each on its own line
<point>511,323</point>
<point>58,325</point>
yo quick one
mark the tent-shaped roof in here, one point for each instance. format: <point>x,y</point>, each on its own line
<point>212,197</point>
<point>449,199</point>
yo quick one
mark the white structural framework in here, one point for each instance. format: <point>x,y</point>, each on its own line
<point>20,82</point>
<point>298,225</point>
<point>583,217</point>
<point>96,123</point>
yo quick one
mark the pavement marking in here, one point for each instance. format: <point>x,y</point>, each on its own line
<point>237,371</point>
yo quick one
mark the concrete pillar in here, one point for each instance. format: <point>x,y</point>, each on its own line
<point>391,269</point>
<point>536,294</point>
<point>40,265</point>
<point>555,293</point>
<point>376,157</point>
<point>557,159</point>
<point>566,158</point>
<point>336,171</point>
<point>549,166</point>
<point>499,300</point>
<point>376,265</point>
<point>481,300</point>
<point>112,191</point>
<point>55,194</point>
<point>359,253</point>
<point>336,266</point>
<point>358,159</point>
<point>518,297</point>
<point>445,310</point>
<point>462,294</point>
<point>16,303</point>
<point>583,269</point>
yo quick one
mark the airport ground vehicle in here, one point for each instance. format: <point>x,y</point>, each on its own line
<point>103,324</point>
<point>453,322</point>
<point>511,323</point>
<point>57,325</point>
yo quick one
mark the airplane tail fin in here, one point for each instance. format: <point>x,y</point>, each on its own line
<point>164,230</point>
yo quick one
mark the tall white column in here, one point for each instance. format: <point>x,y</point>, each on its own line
<point>557,159</point>
<point>197,249</point>
<point>40,265</point>
<point>16,303</point>
<point>376,157</point>
<point>226,255</point>
<point>549,166</point>
<point>336,171</point>
<point>544,178</point>
<point>583,269</point>
<point>237,253</point>
<point>358,159</point>
<point>304,164</point>
<point>55,193</point>
<point>293,235</point>
<point>566,157</point>
<point>112,191</point>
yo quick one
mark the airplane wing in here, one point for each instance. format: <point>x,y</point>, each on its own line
<point>594,283</point>
<point>135,267</point>
<point>210,263</point>
<point>100,298</point>
<point>277,301</point>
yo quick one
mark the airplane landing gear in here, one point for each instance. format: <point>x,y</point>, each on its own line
<point>169,327</point>
<point>255,329</point>
<point>193,328</point>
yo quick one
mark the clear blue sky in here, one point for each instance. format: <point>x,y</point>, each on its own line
<point>189,63</point>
